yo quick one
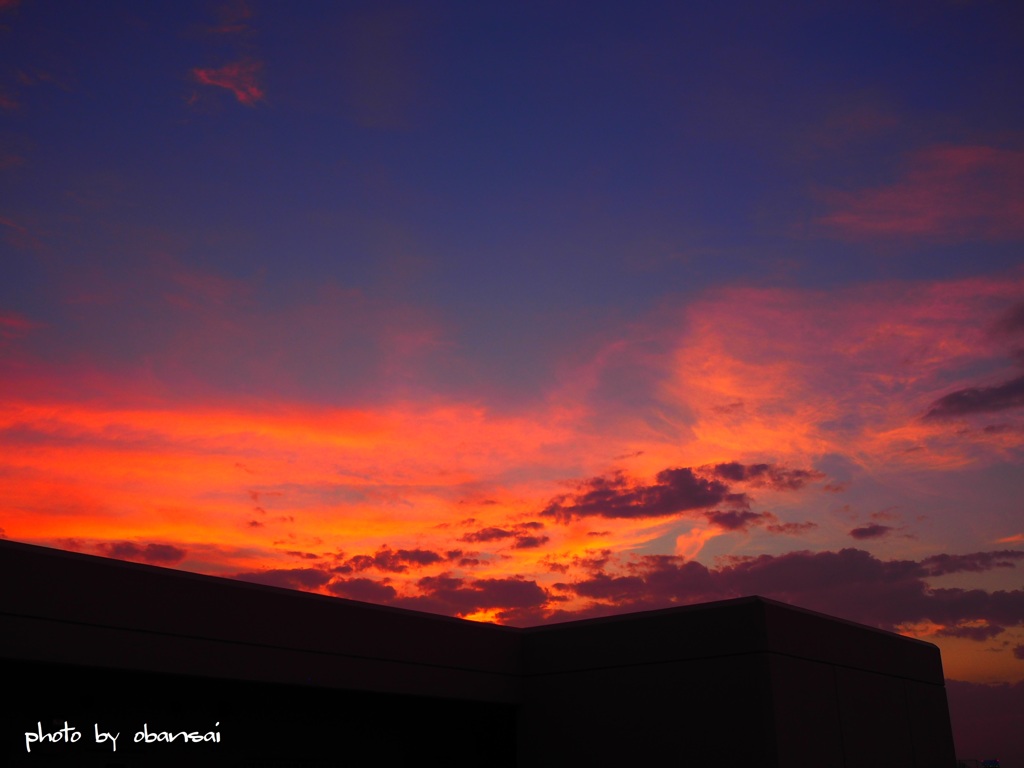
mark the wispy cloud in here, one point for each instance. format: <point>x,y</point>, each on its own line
<point>947,193</point>
<point>240,77</point>
<point>14,325</point>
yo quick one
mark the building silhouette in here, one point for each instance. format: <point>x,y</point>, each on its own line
<point>287,678</point>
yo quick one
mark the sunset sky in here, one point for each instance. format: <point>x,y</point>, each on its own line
<point>529,311</point>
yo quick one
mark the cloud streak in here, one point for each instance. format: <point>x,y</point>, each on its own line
<point>241,78</point>
<point>947,193</point>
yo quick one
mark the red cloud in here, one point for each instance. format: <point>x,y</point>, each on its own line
<point>947,193</point>
<point>240,78</point>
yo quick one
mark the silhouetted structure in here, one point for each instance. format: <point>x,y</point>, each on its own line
<point>294,679</point>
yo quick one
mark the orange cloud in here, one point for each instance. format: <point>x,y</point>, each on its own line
<point>240,77</point>
<point>947,193</point>
<point>796,375</point>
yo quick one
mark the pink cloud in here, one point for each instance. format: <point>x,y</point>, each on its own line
<point>13,325</point>
<point>240,77</point>
<point>947,193</point>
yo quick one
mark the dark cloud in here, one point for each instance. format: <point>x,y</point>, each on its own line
<point>303,555</point>
<point>487,534</point>
<point>791,529</point>
<point>873,531</point>
<point>615,496</point>
<point>594,560</point>
<point>965,402</point>
<point>764,475</point>
<point>391,560</point>
<point>734,520</point>
<point>155,554</point>
<point>521,532</point>
<point>741,520</point>
<point>850,583</point>
<point>939,565</point>
<point>419,556</point>
<point>366,590</point>
<point>288,578</point>
<point>447,594</point>
<point>603,587</point>
<point>1018,652</point>
<point>529,542</point>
